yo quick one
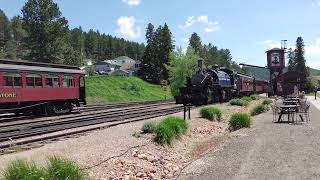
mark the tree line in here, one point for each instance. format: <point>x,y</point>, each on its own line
<point>42,34</point>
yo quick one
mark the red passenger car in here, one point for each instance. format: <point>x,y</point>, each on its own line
<point>29,87</point>
<point>245,84</point>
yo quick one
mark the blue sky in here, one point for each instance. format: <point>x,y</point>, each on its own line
<point>248,28</point>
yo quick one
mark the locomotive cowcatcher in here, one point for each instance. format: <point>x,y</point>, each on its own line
<point>40,88</point>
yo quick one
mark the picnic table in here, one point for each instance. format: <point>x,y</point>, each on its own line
<point>289,110</point>
<point>290,102</point>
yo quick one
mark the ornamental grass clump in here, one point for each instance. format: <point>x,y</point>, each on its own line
<point>239,120</point>
<point>246,98</point>
<point>211,113</point>
<point>255,97</point>
<point>21,169</point>
<point>57,169</point>
<point>169,129</point>
<point>149,127</point>
<point>267,101</point>
<point>258,109</point>
<point>238,102</point>
<point>60,169</point>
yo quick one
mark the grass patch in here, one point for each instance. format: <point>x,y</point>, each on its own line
<point>111,89</point>
<point>246,98</point>
<point>149,127</point>
<point>57,169</point>
<point>267,101</point>
<point>255,97</point>
<point>239,120</point>
<point>60,169</point>
<point>211,113</point>
<point>238,102</point>
<point>258,109</point>
<point>169,129</point>
<point>21,169</point>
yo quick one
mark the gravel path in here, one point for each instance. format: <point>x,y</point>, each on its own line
<point>265,151</point>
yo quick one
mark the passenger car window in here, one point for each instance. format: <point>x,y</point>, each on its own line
<point>34,80</point>
<point>52,81</point>
<point>12,80</point>
<point>68,81</point>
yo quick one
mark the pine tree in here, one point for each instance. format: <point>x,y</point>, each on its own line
<point>291,60</point>
<point>47,30</point>
<point>4,30</point>
<point>195,43</point>
<point>300,61</point>
<point>148,65</point>
<point>165,48</point>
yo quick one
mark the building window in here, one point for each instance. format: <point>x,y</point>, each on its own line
<point>34,80</point>
<point>12,80</point>
<point>52,81</point>
<point>68,81</point>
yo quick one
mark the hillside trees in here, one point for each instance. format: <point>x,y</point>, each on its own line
<point>212,54</point>
<point>47,30</point>
<point>157,52</point>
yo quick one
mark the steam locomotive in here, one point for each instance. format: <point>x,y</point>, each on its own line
<point>218,84</point>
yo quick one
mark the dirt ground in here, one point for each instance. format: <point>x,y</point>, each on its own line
<point>122,152</point>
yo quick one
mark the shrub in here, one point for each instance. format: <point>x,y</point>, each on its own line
<point>255,97</point>
<point>267,101</point>
<point>211,113</point>
<point>246,98</point>
<point>258,109</point>
<point>149,127</point>
<point>170,128</point>
<point>239,120</point>
<point>21,169</point>
<point>61,169</point>
<point>239,102</point>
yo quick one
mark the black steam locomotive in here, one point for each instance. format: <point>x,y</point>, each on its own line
<point>218,85</point>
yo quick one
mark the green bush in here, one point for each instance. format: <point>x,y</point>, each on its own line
<point>170,128</point>
<point>149,127</point>
<point>258,109</point>
<point>211,113</point>
<point>238,102</point>
<point>61,169</point>
<point>57,169</point>
<point>20,169</point>
<point>239,120</point>
<point>255,97</point>
<point>246,98</point>
<point>267,101</point>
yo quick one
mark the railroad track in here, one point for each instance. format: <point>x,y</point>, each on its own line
<point>22,132</point>
<point>86,108</point>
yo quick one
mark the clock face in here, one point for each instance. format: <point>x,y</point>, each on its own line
<point>275,59</point>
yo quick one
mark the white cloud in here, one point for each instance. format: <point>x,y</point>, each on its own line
<point>128,28</point>
<point>210,25</point>
<point>185,40</point>
<point>132,2</point>
<point>269,44</point>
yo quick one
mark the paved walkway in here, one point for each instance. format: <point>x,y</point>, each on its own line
<point>265,151</point>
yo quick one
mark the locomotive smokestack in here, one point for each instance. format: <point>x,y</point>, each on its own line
<point>200,65</point>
